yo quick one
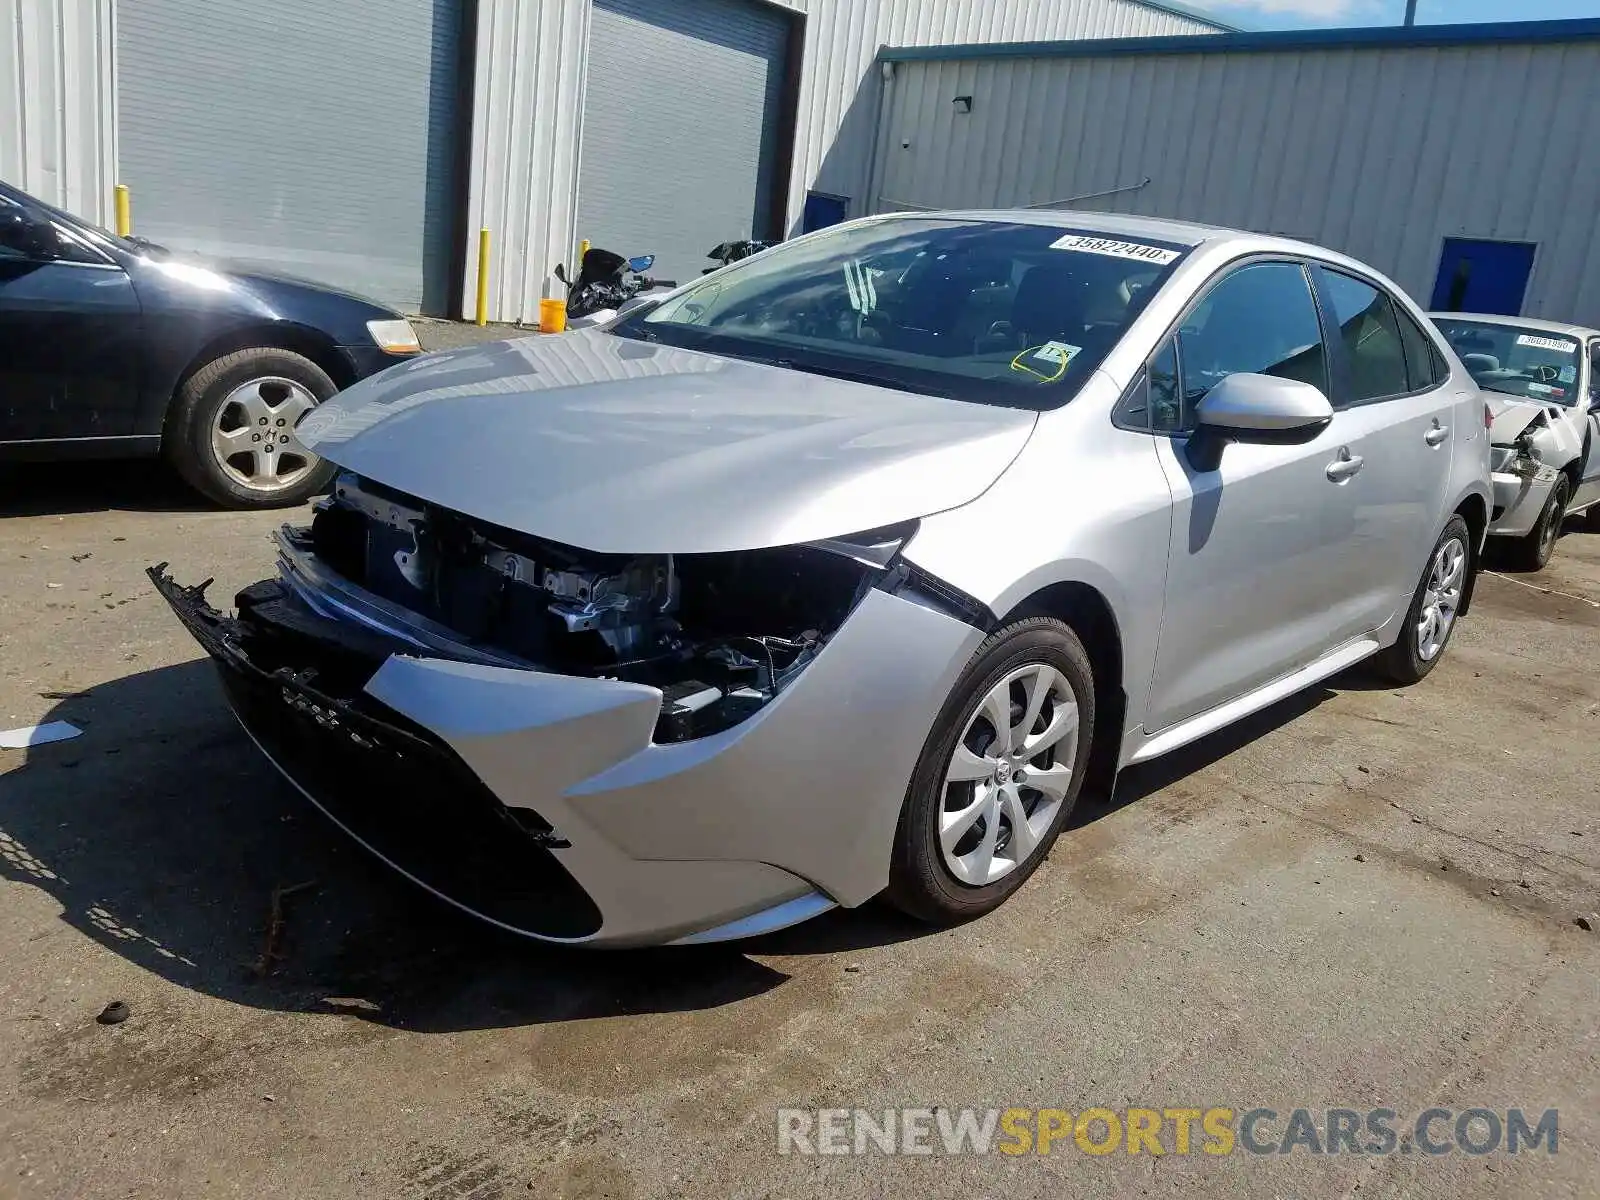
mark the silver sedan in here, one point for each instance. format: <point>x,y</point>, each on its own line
<point>837,572</point>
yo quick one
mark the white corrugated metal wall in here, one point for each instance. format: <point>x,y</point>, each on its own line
<point>57,102</point>
<point>1378,152</point>
<point>530,79</point>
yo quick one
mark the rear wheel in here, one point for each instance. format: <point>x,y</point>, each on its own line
<point>998,775</point>
<point>231,433</point>
<point>1431,619</point>
<point>1532,552</point>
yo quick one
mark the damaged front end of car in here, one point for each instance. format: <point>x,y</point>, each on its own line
<point>443,688</point>
<point>719,634</point>
<point>1528,450</point>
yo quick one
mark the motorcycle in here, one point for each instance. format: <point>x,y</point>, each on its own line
<point>605,283</point>
<point>728,252</point>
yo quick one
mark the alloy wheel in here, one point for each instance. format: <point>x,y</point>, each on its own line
<point>1441,598</point>
<point>253,435</point>
<point>1009,774</point>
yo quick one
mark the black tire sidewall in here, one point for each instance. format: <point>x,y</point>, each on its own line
<point>920,882</point>
<point>196,408</point>
<point>1555,512</point>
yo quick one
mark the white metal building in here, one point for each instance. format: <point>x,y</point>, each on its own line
<point>366,142</point>
<point>1461,160</point>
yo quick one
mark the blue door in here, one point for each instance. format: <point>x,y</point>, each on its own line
<point>821,211</point>
<point>1482,276</point>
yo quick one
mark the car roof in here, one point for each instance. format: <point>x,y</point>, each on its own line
<point>1562,327</point>
<point>1164,229</point>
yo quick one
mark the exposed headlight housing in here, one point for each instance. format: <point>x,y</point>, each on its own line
<point>395,336</point>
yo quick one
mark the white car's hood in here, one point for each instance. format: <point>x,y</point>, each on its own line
<point>1554,434</point>
<point>623,446</point>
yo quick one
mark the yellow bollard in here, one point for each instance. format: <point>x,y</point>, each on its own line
<point>483,277</point>
<point>583,248</point>
<point>124,213</point>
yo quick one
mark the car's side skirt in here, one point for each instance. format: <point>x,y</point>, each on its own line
<point>1210,721</point>
<point>54,449</point>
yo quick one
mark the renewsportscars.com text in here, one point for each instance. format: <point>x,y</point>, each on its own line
<point>1215,1131</point>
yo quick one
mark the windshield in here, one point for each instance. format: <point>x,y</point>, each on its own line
<point>986,311</point>
<point>1532,363</point>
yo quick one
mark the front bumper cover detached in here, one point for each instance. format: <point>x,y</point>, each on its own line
<point>539,802</point>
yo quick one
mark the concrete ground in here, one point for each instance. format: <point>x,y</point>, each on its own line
<point>1363,898</point>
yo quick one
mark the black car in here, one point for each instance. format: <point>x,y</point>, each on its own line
<point>115,347</point>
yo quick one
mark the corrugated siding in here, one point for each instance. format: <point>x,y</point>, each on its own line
<point>57,123</point>
<point>525,126</point>
<point>1378,153</point>
<point>330,157</point>
<point>839,95</point>
<point>530,81</point>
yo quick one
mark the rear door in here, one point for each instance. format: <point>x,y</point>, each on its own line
<point>69,340</point>
<point>1389,388</point>
<point>1257,584</point>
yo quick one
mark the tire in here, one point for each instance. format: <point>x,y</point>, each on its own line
<point>923,879</point>
<point>1532,551</point>
<point>260,393</point>
<point>1407,661</point>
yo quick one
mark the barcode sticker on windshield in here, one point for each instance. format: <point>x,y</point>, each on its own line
<point>1545,343</point>
<point>1115,249</point>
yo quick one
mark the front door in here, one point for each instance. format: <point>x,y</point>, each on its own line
<point>69,336</point>
<point>1477,275</point>
<point>1258,579</point>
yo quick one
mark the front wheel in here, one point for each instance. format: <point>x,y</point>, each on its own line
<point>231,432</point>
<point>1431,618</point>
<point>1532,552</point>
<point>998,775</point>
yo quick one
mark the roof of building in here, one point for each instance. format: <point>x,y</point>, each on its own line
<point>1250,41</point>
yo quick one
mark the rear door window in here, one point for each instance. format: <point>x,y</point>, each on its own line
<point>1369,331</point>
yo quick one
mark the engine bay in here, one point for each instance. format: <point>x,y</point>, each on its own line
<point>721,634</point>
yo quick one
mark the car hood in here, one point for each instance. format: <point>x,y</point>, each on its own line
<point>1510,417</point>
<point>622,446</point>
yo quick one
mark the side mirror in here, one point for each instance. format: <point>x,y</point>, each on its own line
<point>1255,408</point>
<point>561,273</point>
<point>642,263</point>
<point>1248,408</point>
<point>34,236</point>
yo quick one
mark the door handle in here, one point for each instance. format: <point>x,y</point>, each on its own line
<point>1345,466</point>
<point>1437,434</point>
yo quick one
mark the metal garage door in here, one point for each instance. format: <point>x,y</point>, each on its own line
<point>680,127</point>
<point>319,138</point>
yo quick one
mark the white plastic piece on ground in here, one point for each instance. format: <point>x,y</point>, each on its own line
<point>37,735</point>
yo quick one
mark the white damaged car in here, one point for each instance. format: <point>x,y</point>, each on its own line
<point>1542,382</point>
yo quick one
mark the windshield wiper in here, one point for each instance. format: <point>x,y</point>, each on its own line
<point>844,373</point>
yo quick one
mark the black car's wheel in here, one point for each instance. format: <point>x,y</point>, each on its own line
<point>1431,617</point>
<point>998,775</point>
<point>231,431</point>
<point>1532,551</point>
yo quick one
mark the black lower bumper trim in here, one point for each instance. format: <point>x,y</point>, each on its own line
<point>294,679</point>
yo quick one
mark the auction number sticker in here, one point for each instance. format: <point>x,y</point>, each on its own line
<point>1057,352</point>
<point>1545,343</point>
<point>1112,248</point>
